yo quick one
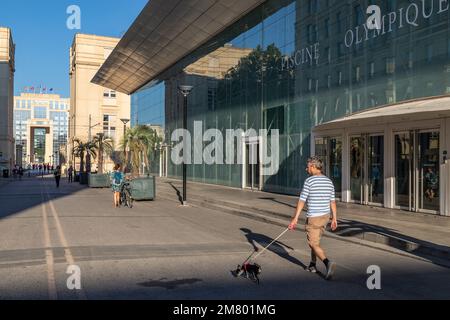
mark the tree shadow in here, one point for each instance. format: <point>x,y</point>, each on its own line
<point>277,247</point>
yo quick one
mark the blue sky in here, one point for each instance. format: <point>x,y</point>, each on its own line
<point>43,40</point>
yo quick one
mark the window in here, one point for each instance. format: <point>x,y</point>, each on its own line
<point>310,84</point>
<point>212,99</point>
<point>357,73</point>
<point>109,126</point>
<point>327,28</point>
<point>372,69</point>
<point>340,49</point>
<point>40,112</point>
<point>390,65</point>
<point>312,33</point>
<point>328,54</point>
<point>109,94</point>
<point>275,119</point>
<point>339,77</point>
<point>313,6</point>
<point>359,15</point>
<point>430,53</point>
<point>338,22</point>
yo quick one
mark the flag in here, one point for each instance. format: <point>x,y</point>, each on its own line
<point>31,88</point>
<point>50,90</point>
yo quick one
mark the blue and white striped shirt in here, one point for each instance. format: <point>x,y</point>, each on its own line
<point>318,192</point>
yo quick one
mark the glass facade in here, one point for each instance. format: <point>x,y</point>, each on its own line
<point>291,65</point>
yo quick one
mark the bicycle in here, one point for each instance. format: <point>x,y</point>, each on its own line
<point>125,195</point>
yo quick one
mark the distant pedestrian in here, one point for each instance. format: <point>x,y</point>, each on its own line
<point>70,174</point>
<point>319,193</point>
<point>117,178</point>
<point>20,173</point>
<point>57,174</point>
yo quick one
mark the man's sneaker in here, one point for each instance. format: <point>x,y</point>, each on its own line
<point>312,268</point>
<point>330,270</point>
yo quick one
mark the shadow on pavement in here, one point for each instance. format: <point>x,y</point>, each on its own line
<point>277,247</point>
<point>20,195</point>
<point>421,248</point>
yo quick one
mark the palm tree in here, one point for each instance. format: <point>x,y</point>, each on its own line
<point>102,144</point>
<point>81,149</point>
<point>140,141</point>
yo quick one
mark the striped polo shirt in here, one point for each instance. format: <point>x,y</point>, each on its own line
<point>318,192</point>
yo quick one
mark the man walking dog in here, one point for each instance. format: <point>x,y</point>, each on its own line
<point>319,194</point>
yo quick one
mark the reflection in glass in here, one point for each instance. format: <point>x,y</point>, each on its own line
<point>356,167</point>
<point>335,168</point>
<point>429,170</point>
<point>376,169</point>
<point>403,167</point>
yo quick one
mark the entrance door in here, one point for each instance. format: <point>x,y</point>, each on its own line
<point>417,171</point>
<point>252,163</point>
<point>367,169</point>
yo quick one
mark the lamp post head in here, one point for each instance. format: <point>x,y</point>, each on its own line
<point>185,90</point>
<point>125,121</point>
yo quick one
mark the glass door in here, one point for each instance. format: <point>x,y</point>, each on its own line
<point>403,170</point>
<point>428,171</point>
<point>367,169</point>
<point>375,167</point>
<point>417,171</point>
<point>329,150</point>
<point>357,168</point>
<point>335,165</point>
<point>252,163</point>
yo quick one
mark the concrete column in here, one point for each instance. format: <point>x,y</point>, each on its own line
<point>445,168</point>
<point>345,167</point>
<point>389,167</point>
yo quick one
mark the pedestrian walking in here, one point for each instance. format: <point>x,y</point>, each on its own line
<point>117,178</point>
<point>319,195</point>
<point>70,174</point>
<point>57,174</point>
<point>20,172</point>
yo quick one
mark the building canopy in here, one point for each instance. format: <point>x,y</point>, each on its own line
<point>164,33</point>
<point>426,109</point>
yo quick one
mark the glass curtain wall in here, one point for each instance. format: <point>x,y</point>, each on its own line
<point>291,65</point>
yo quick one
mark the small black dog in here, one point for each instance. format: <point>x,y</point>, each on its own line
<point>251,271</point>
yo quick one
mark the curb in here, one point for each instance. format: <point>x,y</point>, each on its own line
<point>379,241</point>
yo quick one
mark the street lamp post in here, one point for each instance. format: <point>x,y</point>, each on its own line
<point>185,91</point>
<point>125,122</point>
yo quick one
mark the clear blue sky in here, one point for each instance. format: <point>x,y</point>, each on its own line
<point>43,40</point>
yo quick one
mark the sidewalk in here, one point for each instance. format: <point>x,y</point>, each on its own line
<point>423,235</point>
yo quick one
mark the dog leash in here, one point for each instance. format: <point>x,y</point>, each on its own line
<point>265,248</point>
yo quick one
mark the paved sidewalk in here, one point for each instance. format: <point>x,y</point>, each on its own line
<point>424,235</point>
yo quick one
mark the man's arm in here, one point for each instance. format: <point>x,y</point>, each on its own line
<point>294,221</point>
<point>334,215</point>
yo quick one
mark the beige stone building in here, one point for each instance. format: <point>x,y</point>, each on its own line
<point>7,69</point>
<point>94,109</point>
<point>40,127</point>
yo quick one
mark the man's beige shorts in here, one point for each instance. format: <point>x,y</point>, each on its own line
<point>315,228</point>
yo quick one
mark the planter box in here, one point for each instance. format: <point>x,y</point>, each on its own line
<point>143,188</point>
<point>83,178</point>
<point>99,181</point>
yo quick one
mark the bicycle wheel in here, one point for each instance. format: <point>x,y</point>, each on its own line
<point>129,200</point>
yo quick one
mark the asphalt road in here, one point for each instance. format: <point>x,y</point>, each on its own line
<point>159,250</point>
